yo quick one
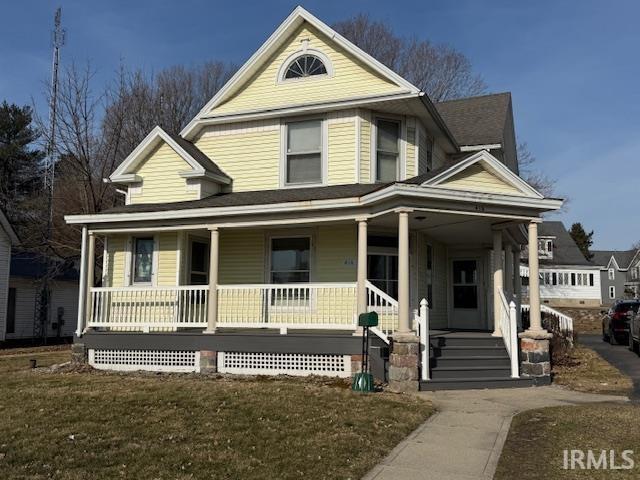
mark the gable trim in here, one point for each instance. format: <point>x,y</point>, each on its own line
<point>494,165</point>
<point>121,174</point>
<point>293,21</point>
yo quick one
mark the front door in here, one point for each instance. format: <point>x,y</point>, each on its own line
<point>466,285</point>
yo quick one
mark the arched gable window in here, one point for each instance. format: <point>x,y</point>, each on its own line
<point>305,65</point>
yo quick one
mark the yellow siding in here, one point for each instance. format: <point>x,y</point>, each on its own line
<point>342,152</point>
<point>242,256</point>
<point>167,258</point>
<point>365,147</point>
<point>250,156</point>
<point>160,178</point>
<point>336,253</point>
<point>410,165</point>
<point>476,178</point>
<point>351,79</point>
<point>116,260</point>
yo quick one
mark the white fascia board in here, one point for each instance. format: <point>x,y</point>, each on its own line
<point>495,165</point>
<point>475,148</point>
<point>412,191</point>
<point>207,175</point>
<point>295,19</point>
<point>614,261</point>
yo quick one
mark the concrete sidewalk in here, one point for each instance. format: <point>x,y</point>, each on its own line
<point>463,441</point>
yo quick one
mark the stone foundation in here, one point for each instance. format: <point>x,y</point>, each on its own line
<point>403,364</point>
<point>535,359</point>
<point>208,361</point>
<point>79,354</point>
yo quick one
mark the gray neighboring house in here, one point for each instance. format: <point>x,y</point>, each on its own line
<point>567,278</point>
<point>619,273</point>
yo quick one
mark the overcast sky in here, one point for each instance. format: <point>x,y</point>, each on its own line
<point>572,67</point>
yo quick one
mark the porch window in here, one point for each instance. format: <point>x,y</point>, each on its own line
<point>382,271</point>
<point>143,260</point>
<point>465,284</point>
<point>387,150</point>
<point>290,260</point>
<point>304,152</point>
<point>199,263</point>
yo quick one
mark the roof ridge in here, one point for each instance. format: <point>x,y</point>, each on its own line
<point>497,94</point>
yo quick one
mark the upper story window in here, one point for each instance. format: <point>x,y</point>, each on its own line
<point>612,274</point>
<point>387,150</point>
<point>303,152</point>
<point>545,248</point>
<point>305,65</point>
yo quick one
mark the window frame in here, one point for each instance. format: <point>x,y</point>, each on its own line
<point>130,266</point>
<point>612,292</point>
<point>611,273</point>
<point>284,154</point>
<point>402,146</point>
<point>328,66</point>
<point>205,241</point>
<point>10,325</point>
<point>269,249</point>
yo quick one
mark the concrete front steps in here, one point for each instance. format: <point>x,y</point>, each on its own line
<point>469,360</point>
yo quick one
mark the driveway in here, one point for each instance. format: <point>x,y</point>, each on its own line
<point>619,356</point>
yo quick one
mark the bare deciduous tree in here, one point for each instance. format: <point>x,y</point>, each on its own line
<point>534,177</point>
<point>439,70</point>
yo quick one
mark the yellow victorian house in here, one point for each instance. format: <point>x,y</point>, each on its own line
<point>317,185</point>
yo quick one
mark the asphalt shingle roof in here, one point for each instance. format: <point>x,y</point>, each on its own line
<point>476,120</point>
<point>199,156</point>
<point>623,257</point>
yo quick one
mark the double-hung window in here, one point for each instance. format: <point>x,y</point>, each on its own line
<point>612,274</point>
<point>143,259</point>
<point>290,260</point>
<point>387,150</point>
<point>303,152</point>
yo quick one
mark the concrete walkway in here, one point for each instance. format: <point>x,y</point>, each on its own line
<point>463,441</point>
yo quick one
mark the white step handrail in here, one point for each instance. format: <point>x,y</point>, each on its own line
<point>509,329</point>
<point>422,325</point>
<point>565,322</point>
<point>387,309</point>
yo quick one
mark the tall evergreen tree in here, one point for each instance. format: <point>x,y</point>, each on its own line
<point>583,239</point>
<point>19,160</point>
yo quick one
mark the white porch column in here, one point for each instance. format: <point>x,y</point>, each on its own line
<point>212,307</point>
<point>91,264</point>
<point>508,271</point>
<point>82,287</point>
<point>362,266</point>
<point>497,281</point>
<point>535,320</point>
<point>404,325</point>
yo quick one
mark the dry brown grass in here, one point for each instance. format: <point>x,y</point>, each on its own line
<point>585,370</point>
<point>97,425</point>
<point>537,439</point>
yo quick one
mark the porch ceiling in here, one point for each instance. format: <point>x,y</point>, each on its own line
<point>451,228</point>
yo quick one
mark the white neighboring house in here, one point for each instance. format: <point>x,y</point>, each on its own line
<point>8,238</point>
<point>27,270</point>
<point>567,278</point>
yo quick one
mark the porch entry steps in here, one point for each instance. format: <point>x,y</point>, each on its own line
<point>469,360</point>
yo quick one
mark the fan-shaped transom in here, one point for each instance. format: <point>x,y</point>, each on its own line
<point>305,65</point>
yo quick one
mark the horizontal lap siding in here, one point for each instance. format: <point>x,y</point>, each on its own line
<point>351,79</point>
<point>342,151</point>
<point>410,166</point>
<point>167,259</point>
<point>251,158</point>
<point>5,258</point>
<point>116,260</point>
<point>476,178</point>
<point>336,253</point>
<point>25,307</point>
<point>161,181</point>
<point>242,256</point>
<point>422,151</point>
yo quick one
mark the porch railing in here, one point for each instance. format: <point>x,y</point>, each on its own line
<point>294,305</point>
<point>555,321</point>
<point>387,308</point>
<point>509,329</point>
<point>148,308</point>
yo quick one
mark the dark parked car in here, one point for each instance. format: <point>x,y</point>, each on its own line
<point>634,332</point>
<point>615,324</point>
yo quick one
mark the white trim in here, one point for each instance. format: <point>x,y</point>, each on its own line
<point>105,260</point>
<point>494,165</point>
<point>129,276</point>
<point>358,127</point>
<point>179,256</point>
<point>280,235</point>
<point>414,191</point>
<point>122,175</point>
<point>475,148</point>
<point>612,292</point>
<point>401,166</point>
<point>324,157</point>
<point>277,38</point>
<point>416,154</point>
<point>282,70</point>
<point>614,261</point>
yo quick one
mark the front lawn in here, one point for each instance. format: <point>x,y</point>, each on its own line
<point>584,370</point>
<point>537,440</point>
<point>98,425</point>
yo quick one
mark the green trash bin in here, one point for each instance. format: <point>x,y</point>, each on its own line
<point>363,381</point>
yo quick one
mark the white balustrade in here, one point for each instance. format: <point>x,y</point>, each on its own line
<point>148,308</point>
<point>565,322</point>
<point>387,309</point>
<point>509,329</point>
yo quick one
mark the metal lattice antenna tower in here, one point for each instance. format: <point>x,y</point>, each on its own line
<point>42,310</point>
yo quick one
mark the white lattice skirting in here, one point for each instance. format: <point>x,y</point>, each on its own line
<point>148,360</point>
<point>298,364</point>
